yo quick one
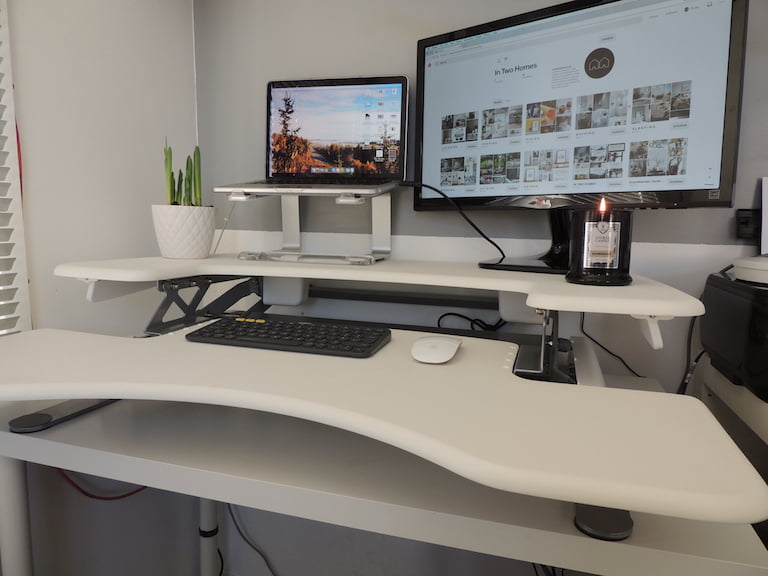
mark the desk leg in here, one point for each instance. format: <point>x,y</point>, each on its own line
<point>15,541</point>
<point>603,523</point>
<point>209,528</point>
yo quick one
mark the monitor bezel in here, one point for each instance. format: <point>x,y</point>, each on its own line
<point>722,196</point>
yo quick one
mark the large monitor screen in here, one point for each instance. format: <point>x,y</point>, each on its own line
<point>633,100</point>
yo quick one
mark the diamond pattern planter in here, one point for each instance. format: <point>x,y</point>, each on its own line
<point>184,231</point>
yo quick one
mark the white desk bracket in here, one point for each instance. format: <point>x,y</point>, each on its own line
<point>649,328</point>
<point>100,290</point>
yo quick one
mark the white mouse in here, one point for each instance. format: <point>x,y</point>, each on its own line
<point>435,349</point>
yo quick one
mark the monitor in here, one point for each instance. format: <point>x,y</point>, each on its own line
<point>635,101</point>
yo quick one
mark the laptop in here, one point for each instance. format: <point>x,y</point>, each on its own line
<point>333,137</point>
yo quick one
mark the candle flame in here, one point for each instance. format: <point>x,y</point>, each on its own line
<point>603,206</point>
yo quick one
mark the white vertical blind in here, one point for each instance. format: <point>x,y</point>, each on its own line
<point>14,293</point>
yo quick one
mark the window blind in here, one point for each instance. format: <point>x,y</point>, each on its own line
<point>14,292</point>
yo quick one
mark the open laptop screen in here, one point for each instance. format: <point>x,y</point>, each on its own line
<point>352,127</point>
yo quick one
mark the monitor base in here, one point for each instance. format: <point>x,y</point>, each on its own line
<point>539,265</point>
<point>555,261</point>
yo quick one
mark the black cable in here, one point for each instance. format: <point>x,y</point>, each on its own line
<point>458,209</point>
<point>683,388</point>
<point>724,270</point>
<point>689,367</point>
<point>474,323</point>
<point>221,562</point>
<point>619,358</point>
<point>248,540</point>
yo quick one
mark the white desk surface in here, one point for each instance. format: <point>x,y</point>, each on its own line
<point>740,399</point>
<point>311,471</point>
<point>644,297</point>
<point>642,451</point>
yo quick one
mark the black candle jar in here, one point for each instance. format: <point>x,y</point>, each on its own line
<point>600,247</point>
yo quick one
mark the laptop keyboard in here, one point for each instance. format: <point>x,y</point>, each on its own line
<point>331,180</point>
<point>296,334</point>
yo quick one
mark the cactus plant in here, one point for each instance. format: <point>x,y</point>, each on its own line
<point>186,189</point>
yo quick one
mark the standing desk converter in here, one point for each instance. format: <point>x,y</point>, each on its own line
<point>511,451</point>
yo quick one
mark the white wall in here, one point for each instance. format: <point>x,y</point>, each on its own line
<point>98,87</point>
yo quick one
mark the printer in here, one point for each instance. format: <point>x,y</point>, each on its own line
<point>734,329</point>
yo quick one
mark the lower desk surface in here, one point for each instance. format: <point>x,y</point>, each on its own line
<point>312,471</point>
<point>640,451</point>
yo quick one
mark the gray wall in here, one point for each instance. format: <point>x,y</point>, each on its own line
<point>98,87</point>
<point>242,44</point>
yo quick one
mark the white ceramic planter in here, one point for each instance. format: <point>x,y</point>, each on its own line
<point>184,231</point>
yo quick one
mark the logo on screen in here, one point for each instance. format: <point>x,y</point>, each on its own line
<point>599,63</point>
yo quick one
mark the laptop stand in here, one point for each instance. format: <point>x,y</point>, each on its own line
<point>381,231</point>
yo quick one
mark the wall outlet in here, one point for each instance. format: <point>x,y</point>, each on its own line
<point>748,224</point>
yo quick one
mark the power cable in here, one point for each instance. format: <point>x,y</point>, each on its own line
<point>94,496</point>
<point>619,358</point>
<point>474,323</point>
<point>249,541</point>
<point>458,208</point>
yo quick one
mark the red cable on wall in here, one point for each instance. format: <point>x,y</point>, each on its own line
<point>18,156</point>
<point>88,494</point>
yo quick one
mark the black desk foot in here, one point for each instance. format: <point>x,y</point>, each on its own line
<point>37,421</point>
<point>603,523</point>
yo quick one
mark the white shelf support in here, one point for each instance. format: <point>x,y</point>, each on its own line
<point>649,328</point>
<point>100,290</point>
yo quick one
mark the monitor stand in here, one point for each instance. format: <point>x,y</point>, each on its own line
<point>555,261</point>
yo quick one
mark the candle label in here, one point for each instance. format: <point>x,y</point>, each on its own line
<point>601,244</point>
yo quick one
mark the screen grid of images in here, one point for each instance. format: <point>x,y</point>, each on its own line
<point>616,157</point>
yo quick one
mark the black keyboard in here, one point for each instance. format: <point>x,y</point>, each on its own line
<point>310,335</point>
